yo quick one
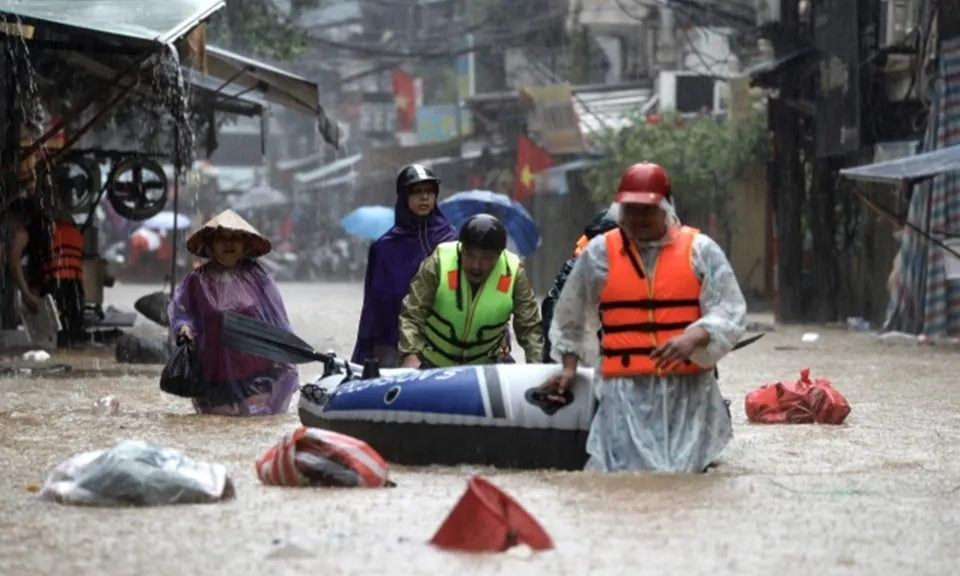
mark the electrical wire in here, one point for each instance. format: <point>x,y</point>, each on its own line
<point>688,15</point>
<point>491,39</point>
<point>694,12</point>
<point>496,36</point>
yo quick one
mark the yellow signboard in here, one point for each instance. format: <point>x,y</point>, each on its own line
<point>551,113</point>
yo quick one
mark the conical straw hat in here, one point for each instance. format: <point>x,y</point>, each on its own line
<point>257,244</point>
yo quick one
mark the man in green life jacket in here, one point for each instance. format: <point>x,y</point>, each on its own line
<point>461,300</point>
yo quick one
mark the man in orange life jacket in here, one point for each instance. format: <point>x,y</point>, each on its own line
<point>54,247</point>
<point>670,308</point>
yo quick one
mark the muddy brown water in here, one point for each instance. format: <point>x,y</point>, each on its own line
<point>878,495</point>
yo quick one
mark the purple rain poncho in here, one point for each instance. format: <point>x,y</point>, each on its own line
<point>391,264</point>
<point>238,384</point>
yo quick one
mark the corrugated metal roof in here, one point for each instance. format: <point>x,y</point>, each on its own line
<point>155,20</point>
<point>602,109</point>
<point>907,168</point>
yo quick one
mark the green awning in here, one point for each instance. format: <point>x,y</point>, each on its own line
<point>161,21</point>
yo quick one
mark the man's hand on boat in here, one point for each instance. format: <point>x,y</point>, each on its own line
<point>411,361</point>
<point>556,385</point>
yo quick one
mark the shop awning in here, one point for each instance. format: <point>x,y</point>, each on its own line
<point>277,86</point>
<point>311,177</point>
<point>161,21</point>
<point>299,163</point>
<point>230,99</point>
<point>908,169</point>
<point>347,178</point>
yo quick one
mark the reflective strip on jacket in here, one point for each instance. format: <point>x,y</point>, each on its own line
<point>472,333</point>
<point>641,309</point>
<point>65,260</point>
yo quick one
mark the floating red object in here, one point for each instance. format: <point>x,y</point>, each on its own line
<point>487,520</point>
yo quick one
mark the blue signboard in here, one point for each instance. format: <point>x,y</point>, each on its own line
<point>438,123</point>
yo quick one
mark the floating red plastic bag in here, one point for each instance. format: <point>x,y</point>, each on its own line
<point>315,457</point>
<point>798,402</point>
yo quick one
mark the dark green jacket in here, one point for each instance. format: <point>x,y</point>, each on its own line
<point>599,225</point>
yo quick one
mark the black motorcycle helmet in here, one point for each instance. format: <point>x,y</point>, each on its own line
<point>414,174</point>
<point>484,232</point>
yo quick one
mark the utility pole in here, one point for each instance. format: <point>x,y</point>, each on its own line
<point>10,120</point>
<point>822,306</point>
<point>787,180</point>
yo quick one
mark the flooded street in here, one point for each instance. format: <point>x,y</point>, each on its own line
<point>878,495</point>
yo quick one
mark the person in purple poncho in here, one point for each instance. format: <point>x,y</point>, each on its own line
<point>231,280</point>
<point>394,259</point>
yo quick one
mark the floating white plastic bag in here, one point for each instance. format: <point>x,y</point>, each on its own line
<point>135,473</point>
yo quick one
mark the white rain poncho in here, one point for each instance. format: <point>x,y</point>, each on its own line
<point>654,423</point>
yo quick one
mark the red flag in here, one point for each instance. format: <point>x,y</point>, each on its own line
<point>405,100</point>
<point>530,160</point>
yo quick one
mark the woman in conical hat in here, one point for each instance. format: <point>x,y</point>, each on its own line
<point>231,280</point>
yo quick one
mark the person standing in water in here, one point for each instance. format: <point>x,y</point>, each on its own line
<point>670,308</point>
<point>462,298</point>
<point>231,280</point>
<point>393,260</point>
<point>54,246</point>
<point>600,224</point>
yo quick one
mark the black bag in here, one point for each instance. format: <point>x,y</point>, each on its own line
<point>183,375</point>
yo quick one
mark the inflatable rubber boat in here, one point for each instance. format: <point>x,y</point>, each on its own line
<point>487,415</point>
<point>492,415</point>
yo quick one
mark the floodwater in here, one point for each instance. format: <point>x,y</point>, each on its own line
<point>875,496</point>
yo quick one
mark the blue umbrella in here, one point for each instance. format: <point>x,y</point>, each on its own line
<point>521,228</point>
<point>370,222</point>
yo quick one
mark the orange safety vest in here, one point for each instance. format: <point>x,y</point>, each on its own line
<point>581,244</point>
<point>65,260</point>
<point>640,310</point>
